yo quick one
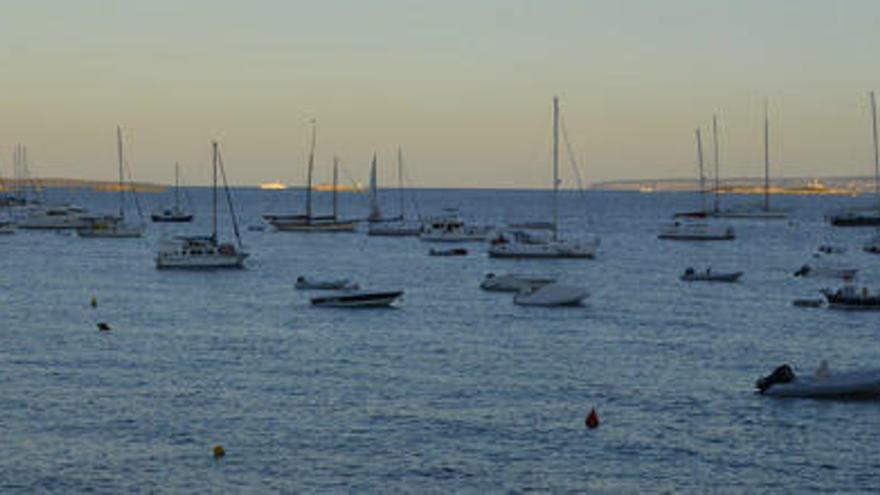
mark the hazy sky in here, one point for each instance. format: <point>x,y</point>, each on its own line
<point>464,86</point>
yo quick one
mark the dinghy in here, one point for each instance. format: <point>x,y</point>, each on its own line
<point>358,299</point>
<point>513,282</point>
<point>823,385</point>
<point>691,275</point>
<point>305,283</point>
<point>551,295</point>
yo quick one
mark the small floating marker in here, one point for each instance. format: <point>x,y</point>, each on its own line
<point>94,302</point>
<point>104,327</point>
<point>219,451</point>
<point>592,420</point>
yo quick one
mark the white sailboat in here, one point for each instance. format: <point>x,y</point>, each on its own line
<point>398,226</point>
<point>194,252</point>
<point>864,217</point>
<point>110,226</point>
<point>175,213</point>
<point>763,211</point>
<point>517,244</point>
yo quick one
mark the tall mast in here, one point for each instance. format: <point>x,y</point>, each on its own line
<point>214,194</point>
<point>766,158</point>
<point>309,172</point>
<point>176,186</point>
<point>555,166</point>
<point>120,157</point>
<point>700,165</point>
<point>715,145</point>
<point>375,214</point>
<point>400,179</point>
<point>876,157</point>
<point>335,181</point>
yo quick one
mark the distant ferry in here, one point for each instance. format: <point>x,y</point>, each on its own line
<point>339,188</point>
<point>273,186</point>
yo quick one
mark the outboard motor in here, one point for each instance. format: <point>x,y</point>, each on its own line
<point>782,374</point>
<point>803,271</point>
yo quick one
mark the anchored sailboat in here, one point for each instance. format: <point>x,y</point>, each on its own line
<point>396,226</point>
<point>868,217</point>
<point>523,244</point>
<point>114,226</point>
<point>175,213</point>
<point>191,252</point>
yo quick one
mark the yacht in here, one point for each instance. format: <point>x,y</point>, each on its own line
<point>452,228</point>
<point>690,231</point>
<point>869,216</point>
<point>850,297</point>
<point>174,213</point>
<point>394,226</point>
<point>192,252</point>
<point>56,217</point>
<point>554,294</point>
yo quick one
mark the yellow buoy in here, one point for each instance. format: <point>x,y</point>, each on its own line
<point>94,302</point>
<point>219,451</point>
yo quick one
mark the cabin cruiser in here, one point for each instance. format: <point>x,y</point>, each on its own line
<point>513,282</point>
<point>856,218</point>
<point>198,252</point>
<point>553,294</point>
<point>54,217</point>
<point>825,271</point>
<point>452,229</point>
<point>823,384</point>
<point>688,231</point>
<point>306,283</point>
<point>358,299</point>
<point>531,244</point>
<point>172,215</point>
<point>850,297</point>
<point>691,275</point>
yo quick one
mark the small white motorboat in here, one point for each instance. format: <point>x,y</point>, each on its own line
<point>707,275</point>
<point>554,294</point>
<point>513,282</point>
<point>306,283</point>
<point>358,299</point>
<point>822,385</point>
<point>826,271</point>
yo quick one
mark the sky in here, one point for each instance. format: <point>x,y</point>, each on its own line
<point>464,87</point>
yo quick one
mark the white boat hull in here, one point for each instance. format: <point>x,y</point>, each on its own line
<point>357,300</point>
<point>849,384</point>
<point>551,249</point>
<point>552,295</point>
<point>201,262</point>
<point>513,283</point>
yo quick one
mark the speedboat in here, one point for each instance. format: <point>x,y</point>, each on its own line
<point>823,385</point>
<point>195,252</point>
<point>528,244</point>
<point>826,272</point>
<point>305,283</point>
<point>707,275</point>
<point>849,297</point>
<point>448,252</point>
<point>358,299</point>
<point>553,294</point>
<point>687,231</point>
<point>513,282</point>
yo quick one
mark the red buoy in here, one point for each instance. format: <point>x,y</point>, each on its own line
<point>592,420</point>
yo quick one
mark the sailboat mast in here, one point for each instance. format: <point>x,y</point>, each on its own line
<point>715,145</point>
<point>214,194</point>
<point>335,181</point>
<point>375,214</point>
<point>176,186</point>
<point>876,155</point>
<point>400,179</point>
<point>120,157</point>
<point>766,158</point>
<point>555,167</point>
<point>700,165</point>
<point>309,172</point>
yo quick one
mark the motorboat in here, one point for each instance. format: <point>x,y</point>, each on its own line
<point>830,249</point>
<point>707,275</point>
<point>448,252</point>
<point>306,283</point>
<point>527,244</point>
<point>808,303</point>
<point>553,294</point>
<point>824,384</point>
<point>395,228</point>
<point>110,227</point>
<point>856,218</point>
<point>57,217</point>
<point>198,252</point>
<point>689,231</point>
<point>357,299</point>
<point>851,297</point>
<point>452,229</point>
<point>206,251</point>
<point>174,213</point>
<point>513,282</point>
<point>825,271</point>
<point>873,245</point>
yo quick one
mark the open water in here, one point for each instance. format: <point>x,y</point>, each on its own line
<point>456,390</point>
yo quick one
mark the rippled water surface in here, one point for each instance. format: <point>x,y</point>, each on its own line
<point>457,389</point>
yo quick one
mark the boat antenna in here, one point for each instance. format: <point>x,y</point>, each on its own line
<point>229,202</point>
<point>766,157</point>
<point>715,145</point>
<point>555,167</point>
<point>309,172</point>
<point>700,166</point>
<point>214,193</point>
<point>876,155</point>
